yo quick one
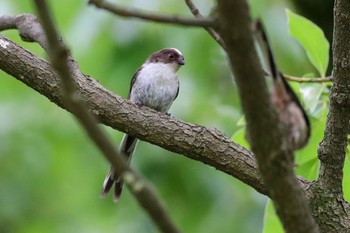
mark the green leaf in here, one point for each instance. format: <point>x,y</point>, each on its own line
<point>311,94</point>
<point>240,138</point>
<point>346,179</point>
<point>309,169</point>
<point>306,160</point>
<point>312,39</point>
<point>241,121</point>
<point>271,220</point>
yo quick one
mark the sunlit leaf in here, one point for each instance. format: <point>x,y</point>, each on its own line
<point>306,158</point>
<point>309,170</point>
<point>312,38</point>
<point>312,93</point>
<point>346,179</point>
<point>241,121</point>
<point>272,223</point>
<point>240,138</point>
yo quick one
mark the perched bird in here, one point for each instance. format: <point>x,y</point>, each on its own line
<point>155,85</point>
<point>289,108</point>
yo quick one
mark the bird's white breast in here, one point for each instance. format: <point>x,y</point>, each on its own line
<point>156,86</point>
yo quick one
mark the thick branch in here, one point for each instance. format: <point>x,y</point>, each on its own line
<point>134,13</point>
<point>194,141</point>
<point>333,146</point>
<point>143,192</point>
<point>275,163</point>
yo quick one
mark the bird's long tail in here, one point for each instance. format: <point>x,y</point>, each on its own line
<point>127,148</point>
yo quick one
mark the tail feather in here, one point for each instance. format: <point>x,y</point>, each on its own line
<point>117,190</point>
<point>108,183</point>
<point>127,148</point>
<point>264,43</point>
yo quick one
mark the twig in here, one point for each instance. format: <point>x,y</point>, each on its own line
<point>307,80</point>
<point>210,30</point>
<point>160,18</point>
<point>138,187</point>
<point>28,27</point>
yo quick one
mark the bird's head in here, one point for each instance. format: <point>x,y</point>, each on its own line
<point>169,56</point>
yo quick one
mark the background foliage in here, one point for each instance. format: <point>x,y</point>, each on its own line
<point>51,175</point>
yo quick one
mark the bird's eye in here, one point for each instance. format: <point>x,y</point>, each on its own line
<point>171,56</point>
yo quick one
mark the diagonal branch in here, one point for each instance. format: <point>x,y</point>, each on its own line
<point>135,13</point>
<point>143,192</point>
<point>194,141</point>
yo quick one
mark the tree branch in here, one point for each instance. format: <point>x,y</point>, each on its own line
<point>145,195</point>
<point>135,13</point>
<point>28,27</point>
<point>194,141</point>
<point>275,163</point>
<point>332,149</point>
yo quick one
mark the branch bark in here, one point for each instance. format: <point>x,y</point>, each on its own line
<point>28,27</point>
<point>328,205</point>
<point>275,163</point>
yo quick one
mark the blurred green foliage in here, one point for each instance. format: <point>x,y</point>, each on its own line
<point>314,41</point>
<point>50,173</point>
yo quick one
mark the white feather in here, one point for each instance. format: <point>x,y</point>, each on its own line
<point>156,86</point>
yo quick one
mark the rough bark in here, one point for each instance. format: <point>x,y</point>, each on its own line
<point>333,146</point>
<point>330,209</point>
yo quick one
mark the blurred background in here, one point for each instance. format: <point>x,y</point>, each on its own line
<point>51,174</point>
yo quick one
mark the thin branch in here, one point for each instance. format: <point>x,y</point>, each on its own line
<point>275,162</point>
<point>28,27</point>
<point>155,17</point>
<point>139,188</point>
<point>195,11</point>
<point>307,80</point>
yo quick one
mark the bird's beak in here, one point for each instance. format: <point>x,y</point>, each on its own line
<point>181,61</point>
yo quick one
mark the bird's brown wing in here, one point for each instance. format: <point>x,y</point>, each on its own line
<point>133,80</point>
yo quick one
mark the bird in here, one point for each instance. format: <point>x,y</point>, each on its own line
<point>155,85</point>
<point>289,109</point>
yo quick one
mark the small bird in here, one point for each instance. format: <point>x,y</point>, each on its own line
<point>155,85</point>
<point>289,108</point>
